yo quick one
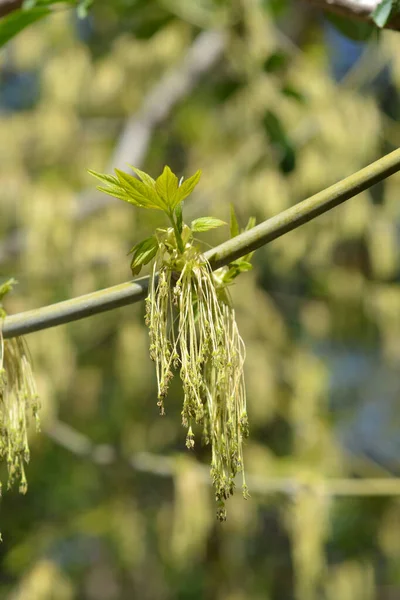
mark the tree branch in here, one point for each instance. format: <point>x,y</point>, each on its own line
<point>134,291</point>
<point>355,9</point>
<point>168,466</point>
<point>7,6</point>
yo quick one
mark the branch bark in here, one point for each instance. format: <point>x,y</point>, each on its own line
<point>134,291</point>
<point>355,9</point>
<point>8,6</point>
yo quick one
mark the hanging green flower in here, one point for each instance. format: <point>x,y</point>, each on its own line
<point>18,401</point>
<point>191,322</point>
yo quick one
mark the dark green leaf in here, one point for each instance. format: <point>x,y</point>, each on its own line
<point>274,128</point>
<point>280,140</point>
<point>276,7</point>
<point>382,12</point>
<point>148,20</point>
<point>206,223</point>
<point>234,225</point>
<point>292,92</point>
<point>18,20</point>
<point>143,252</point>
<point>276,61</point>
<point>224,89</point>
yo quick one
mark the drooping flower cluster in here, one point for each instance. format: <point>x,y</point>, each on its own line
<point>192,328</point>
<point>18,402</point>
<point>191,322</point>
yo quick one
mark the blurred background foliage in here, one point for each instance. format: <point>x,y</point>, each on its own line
<point>283,106</point>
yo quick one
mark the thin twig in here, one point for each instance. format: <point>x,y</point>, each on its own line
<point>167,466</point>
<point>134,291</point>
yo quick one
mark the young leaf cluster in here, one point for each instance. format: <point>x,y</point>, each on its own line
<point>191,321</point>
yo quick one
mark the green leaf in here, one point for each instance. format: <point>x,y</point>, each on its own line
<point>242,265</point>
<point>6,287</point>
<point>162,194</point>
<point>130,189</point>
<point>179,217</point>
<point>277,61</point>
<point>104,177</point>
<point>116,192</point>
<point>113,187</point>
<point>234,225</point>
<point>18,20</point>
<point>250,223</point>
<point>235,268</point>
<point>280,140</point>
<point>230,275</point>
<point>144,176</point>
<point>138,192</point>
<point>167,187</point>
<point>150,17</point>
<point>291,92</point>
<point>143,252</point>
<point>206,223</point>
<point>225,88</point>
<point>277,8</point>
<point>382,12</point>
<point>187,188</point>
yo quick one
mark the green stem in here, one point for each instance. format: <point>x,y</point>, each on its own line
<point>178,236</point>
